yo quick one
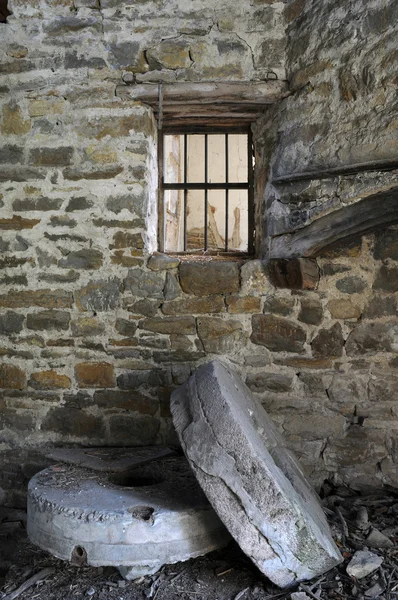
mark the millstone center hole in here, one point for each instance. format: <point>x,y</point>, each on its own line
<point>133,481</point>
<point>144,513</point>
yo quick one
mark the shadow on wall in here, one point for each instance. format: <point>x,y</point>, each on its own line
<point>4,12</point>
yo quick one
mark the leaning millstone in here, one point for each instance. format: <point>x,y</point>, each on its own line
<point>137,520</point>
<point>251,479</point>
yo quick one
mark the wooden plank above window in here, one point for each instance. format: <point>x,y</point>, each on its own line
<point>208,100</point>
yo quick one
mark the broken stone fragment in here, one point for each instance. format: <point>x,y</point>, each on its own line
<point>253,482</point>
<point>377,539</point>
<point>363,563</point>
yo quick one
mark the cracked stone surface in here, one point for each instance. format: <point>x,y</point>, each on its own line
<point>137,521</point>
<point>253,482</point>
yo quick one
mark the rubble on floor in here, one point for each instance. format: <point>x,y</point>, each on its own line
<point>226,574</point>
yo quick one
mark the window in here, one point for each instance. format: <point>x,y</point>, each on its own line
<point>206,197</point>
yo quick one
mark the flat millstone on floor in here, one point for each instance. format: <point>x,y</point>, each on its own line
<point>252,480</point>
<point>136,520</point>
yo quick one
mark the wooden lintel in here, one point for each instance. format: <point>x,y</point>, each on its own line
<point>349,221</point>
<point>244,93</point>
<point>374,165</point>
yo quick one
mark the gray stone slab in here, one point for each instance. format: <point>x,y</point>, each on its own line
<point>137,521</point>
<point>252,480</point>
<point>109,459</point>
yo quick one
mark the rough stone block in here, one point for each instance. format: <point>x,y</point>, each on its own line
<point>79,203</point>
<point>387,279</point>
<point>95,375</point>
<point>99,296</point>
<point>49,380</point>
<point>13,122</point>
<point>76,174</point>
<point>380,306</point>
<point>344,309</point>
<point>294,274</point>
<point>138,430</point>
<point>125,327</point>
<point>383,387</point>
<point>252,480</point>
<point>153,377</point>
<point>328,343</point>
<point>144,283</point>
<point>87,326</point>
<point>162,262</point>
<point>180,325</point>
<point>269,382</point>
<point>51,157</point>
<point>63,221</point>
<point>11,322</point>
<point>352,284</point>
<point>18,223</point>
<point>48,319</point>
<point>82,259</point>
<point>276,334</point>
<point>206,278</point>
<point>311,311</point>
<point>220,335</point>
<point>280,306</point>
<point>73,423</point>
<point>43,298</point>
<point>369,338</point>
<point>43,203</point>
<point>386,244</point>
<point>117,127</point>
<point>12,377</point>
<point>124,239</point>
<point>11,154</point>
<point>192,306</point>
<point>126,400</point>
<point>245,304</point>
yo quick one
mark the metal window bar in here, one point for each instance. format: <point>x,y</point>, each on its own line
<point>185,189</point>
<point>206,185</point>
<point>226,192</point>
<point>206,191</point>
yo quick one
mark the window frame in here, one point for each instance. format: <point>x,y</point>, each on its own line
<point>206,129</point>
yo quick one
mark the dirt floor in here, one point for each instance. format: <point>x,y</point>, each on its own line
<point>224,575</point>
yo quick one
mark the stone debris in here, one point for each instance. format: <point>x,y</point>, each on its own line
<point>252,480</point>
<point>363,563</point>
<point>224,574</point>
<point>377,539</point>
<point>136,520</point>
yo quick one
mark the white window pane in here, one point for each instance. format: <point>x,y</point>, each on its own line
<point>195,220</point>
<point>237,158</point>
<point>174,217</point>
<point>196,158</point>
<point>238,218</point>
<point>216,219</point>
<point>173,152</point>
<point>216,158</point>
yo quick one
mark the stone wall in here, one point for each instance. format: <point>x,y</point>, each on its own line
<point>95,329</point>
<point>342,116</point>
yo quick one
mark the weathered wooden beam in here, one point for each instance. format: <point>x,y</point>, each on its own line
<point>349,221</point>
<point>198,93</point>
<point>374,165</point>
